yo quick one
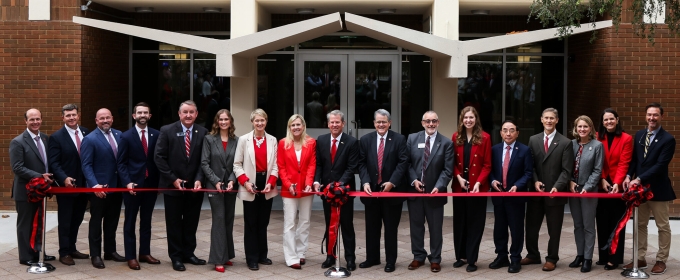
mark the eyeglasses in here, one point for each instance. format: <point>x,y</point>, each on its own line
<point>512,130</point>
<point>381,122</point>
<point>431,121</point>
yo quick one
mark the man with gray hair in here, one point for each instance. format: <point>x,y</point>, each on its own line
<point>383,164</point>
<point>336,161</point>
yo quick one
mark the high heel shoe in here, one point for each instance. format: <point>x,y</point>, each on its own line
<point>578,261</point>
<point>219,268</point>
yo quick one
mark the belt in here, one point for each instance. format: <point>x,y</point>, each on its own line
<point>261,173</point>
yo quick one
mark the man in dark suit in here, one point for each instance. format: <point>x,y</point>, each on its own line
<point>138,169</point>
<point>64,158</point>
<point>98,153</point>
<point>28,158</point>
<point>430,170</point>
<point>553,165</point>
<point>653,151</point>
<point>383,163</point>
<point>511,171</point>
<point>178,158</point>
<point>336,161</point>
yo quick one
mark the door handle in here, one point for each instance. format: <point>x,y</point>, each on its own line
<point>355,128</point>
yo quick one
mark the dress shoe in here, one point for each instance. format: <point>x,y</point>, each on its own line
<point>499,262</point>
<point>49,258</point>
<point>659,268</point>
<point>253,266</point>
<point>330,261</point>
<point>528,261</point>
<point>351,266</point>
<point>578,261</point>
<point>219,268</point>
<point>178,265</point>
<point>97,262</point>
<point>148,259</point>
<point>303,261</point>
<point>296,266</point>
<point>28,263</point>
<point>471,268</point>
<point>415,265</point>
<point>611,267</point>
<point>587,265</point>
<point>229,263</point>
<point>601,263</point>
<point>368,264</point>
<point>641,264</point>
<point>389,267</point>
<point>435,267</point>
<point>549,266</point>
<point>265,262</point>
<point>459,263</point>
<point>114,256</point>
<point>67,260</point>
<point>79,255</point>
<point>514,267</point>
<point>133,264</point>
<point>195,261</point>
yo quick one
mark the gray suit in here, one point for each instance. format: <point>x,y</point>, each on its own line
<point>26,164</point>
<point>218,165</point>
<point>437,174</point>
<point>583,209</point>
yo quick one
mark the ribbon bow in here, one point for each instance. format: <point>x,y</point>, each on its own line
<point>37,190</point>
<point>336,194</point>
<point>634,196</point>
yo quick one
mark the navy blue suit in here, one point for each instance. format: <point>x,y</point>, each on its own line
<point>64,162</point>
<point>100,168</point>
<point>133,165</point>
<point>509,211</point>
<point>653,169</point>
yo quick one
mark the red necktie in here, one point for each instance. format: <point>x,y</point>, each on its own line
<point>545,145</point>
<point>506,165</point>
<point>333,150</point>
<point>146,151</point>
<point>77,142</point>
<point>381,150</point>
<point>187,141</point>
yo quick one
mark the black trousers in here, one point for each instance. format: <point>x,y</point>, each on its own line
<point>346,228</point>
<point>554,215</point>
<point>25,215</point>
<point>181,222</point>
<point>256,215</point>
<point>509,215</point>
<point>469,217</point>
<point>142,203</point>
<point>104,213</point>
<point>70,213</point>
<point>608,214</point>
<point>379,212</point>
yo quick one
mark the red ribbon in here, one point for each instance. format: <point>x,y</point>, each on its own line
<point>336,195</point>
<point>634,196</point>
<point>37,189</point>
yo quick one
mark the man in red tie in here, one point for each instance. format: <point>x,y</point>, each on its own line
<point>553,165</point>
<point>511,171</point>
<point>137,169</point>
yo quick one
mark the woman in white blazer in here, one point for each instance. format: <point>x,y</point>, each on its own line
<point>256,171</point>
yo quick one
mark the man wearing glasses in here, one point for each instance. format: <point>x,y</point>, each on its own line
<point>430,168</point>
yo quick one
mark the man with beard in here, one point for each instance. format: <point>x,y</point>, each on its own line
<point>178,158</point>
<point>98,153</point>
<point>137,169</point>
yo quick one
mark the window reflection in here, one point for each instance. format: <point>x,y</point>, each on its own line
<point>372,89</point>
<point>322,91</point>
<point>482,89</point>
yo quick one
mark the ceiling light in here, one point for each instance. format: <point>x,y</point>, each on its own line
<point>212,10</point>
<point>144,9</point>
<point>387,11</point>
<point>305,10</point>
<point>480,12</point>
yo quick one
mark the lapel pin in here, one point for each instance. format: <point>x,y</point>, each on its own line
<point>555,143</point>
<point>389,139</point>
<point>590,148</point>
<point>516,148</point>
<point>151,134</point>
<point>656,140</point>
<point>196,131</point>
<point>342,142</point>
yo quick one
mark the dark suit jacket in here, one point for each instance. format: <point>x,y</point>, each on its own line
<point>653,169</point>
<point>439,168</point>
<point>345,164</point>
<point>171,159</point>
<point>133,163</point>
<point>479,166</point>
<point>64,158</point>
<point>218,164</point>
<point>617,158</point>
<point>26,162</point>
<point>553,169</point>
<point>99,163</point>
<point>394,167</point>
<point>520,171</point>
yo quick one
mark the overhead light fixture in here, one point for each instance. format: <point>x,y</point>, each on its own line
<point>387,11</point>
<point>480,12</point>
<point>144,9</point>
<point>212,10</point>
<point>304,11</point>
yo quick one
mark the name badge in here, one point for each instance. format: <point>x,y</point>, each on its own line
<point>180,134</point>
<point>421,145</point>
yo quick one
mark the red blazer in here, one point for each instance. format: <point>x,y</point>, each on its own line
<point>290,172</point>
<point>617,159</point>
<point>480,164</point>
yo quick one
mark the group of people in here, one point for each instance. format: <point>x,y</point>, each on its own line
<point>183,158</point>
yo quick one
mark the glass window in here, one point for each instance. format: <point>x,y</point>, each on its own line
<point>415,91</point>
<point>372,89</point>
<point>349,41</point>
<point>322,91</point>
<point>275,91</point>
<point>483,90</point>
